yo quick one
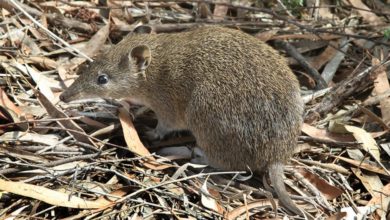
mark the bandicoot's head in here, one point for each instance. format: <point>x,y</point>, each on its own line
<point>111,78</point>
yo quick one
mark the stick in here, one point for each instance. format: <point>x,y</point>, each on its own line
<point>51,34</point>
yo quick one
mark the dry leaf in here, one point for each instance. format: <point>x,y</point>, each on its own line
<point>208,201</point>
<point>8,105</point>
<point>6,102</point>
<point>323,134</point>
<point>117,13</point>
<point>324,11</point>
<point>96,41</point>
<point>44,84</point>
<point>131,136</point>
<point>62,73</point>
<point>44,62</point>
<point>134,143</point>
<point>320,60</point>
<point>382,200</point>
<point>368,142</point>
<point>220,11</point>
<point>90,48</point>
<point>332,66</point>
<point>381,85</point>
<point>50,196</point>
<point>370,17</point>
<point>72,128</point>
<point>371,182</point>
<point>330,192</point>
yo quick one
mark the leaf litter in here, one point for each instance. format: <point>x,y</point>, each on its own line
<point>91,159</point>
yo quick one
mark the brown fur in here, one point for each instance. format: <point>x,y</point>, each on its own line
<point>235,94</point>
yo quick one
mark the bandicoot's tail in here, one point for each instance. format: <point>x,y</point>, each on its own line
<point>276,175</point>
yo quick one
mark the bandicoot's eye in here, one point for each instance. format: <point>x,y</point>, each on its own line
<point>102,79</point>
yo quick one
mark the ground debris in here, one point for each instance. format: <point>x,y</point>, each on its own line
<point>88,160</point>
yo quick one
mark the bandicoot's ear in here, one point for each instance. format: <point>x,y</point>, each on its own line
<point>140,57</point>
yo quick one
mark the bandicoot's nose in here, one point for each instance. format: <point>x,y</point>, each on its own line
<point>62,97</point>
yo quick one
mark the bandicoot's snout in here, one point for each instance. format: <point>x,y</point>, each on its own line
<point>63,98</point>
<point>79,90</point>
<point>68,96</point>
<point>74,92</point>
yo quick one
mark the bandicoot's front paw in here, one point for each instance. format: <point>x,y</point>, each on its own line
<point>159,132</point>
